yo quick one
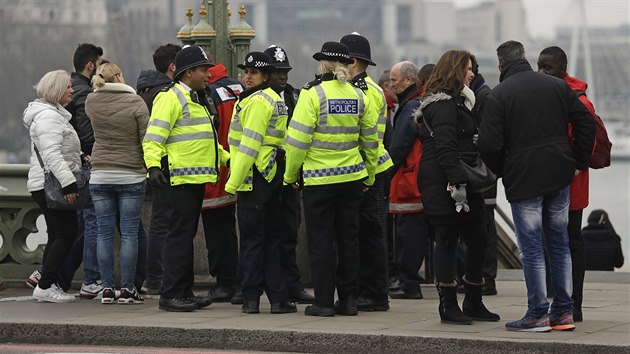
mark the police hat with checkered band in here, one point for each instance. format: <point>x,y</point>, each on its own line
<point>359,47</point>
<point>334,51</point>
<point>279,57</point>
<point>190,57</point>
<point>256,60</point>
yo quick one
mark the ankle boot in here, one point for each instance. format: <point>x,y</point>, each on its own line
<point>449,309</point>
<point>473,306</point>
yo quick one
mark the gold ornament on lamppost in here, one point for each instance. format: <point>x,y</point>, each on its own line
<point>184,33</point>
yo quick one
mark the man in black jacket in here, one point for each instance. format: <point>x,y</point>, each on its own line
<point>411,229</point>
<point>150,83</point>
<point>524,138</point>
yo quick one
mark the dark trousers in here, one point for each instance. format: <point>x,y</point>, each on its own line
<point>259,215</point>
<point>492,240</point>
<point>444,254</point>
<point>290,225</point>
<point>412,236</point>
<point>578,261</point>
<point>219,226</point>
<point>62,230</point>
<point>161,214</point>
<point>178,251</point>
<point>332,224</point>
<point>373,273</point>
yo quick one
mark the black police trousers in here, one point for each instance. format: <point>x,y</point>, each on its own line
<point>259,222</point>
<point>288,242</point>
<point>332,225</point>
<point>412,236</point>
<point>178,252</point>
<point>373,273</point>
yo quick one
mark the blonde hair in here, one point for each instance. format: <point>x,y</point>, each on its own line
<point>338,69</point>
<point>105,73</point>
<point>52,86</point>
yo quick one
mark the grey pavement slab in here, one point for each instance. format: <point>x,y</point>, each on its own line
<point>409,326</point>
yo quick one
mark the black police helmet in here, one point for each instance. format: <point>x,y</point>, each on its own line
<point>334,51</point>
<point>258,60</point>
<point>279,57</point>
<point>190,57</point>
<point>358,46</point>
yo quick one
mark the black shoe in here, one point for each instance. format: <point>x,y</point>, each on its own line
<point>348,308</point>
<point>401,294</point>
<point>250,306</point>
<point>177,305</point>
<point>302,297</point>
<point>221,294</point>
<point>315,310</point>
<point>237,298</point>
<point>283,307</point>
<point>577,315</point>
<point>365,304</point>
<point>489,288</point>
<point>201,301</point>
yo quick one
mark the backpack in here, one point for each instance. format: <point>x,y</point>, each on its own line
<point>601,152</point>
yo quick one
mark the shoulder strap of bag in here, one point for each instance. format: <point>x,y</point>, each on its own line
<point>39,157</point>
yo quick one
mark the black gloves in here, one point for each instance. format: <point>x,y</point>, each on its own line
<point>157,179</point>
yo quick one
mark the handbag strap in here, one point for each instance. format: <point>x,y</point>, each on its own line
<point>39,158</point>
<point>424,121</point>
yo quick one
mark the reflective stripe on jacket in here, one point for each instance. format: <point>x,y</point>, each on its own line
<point>181,129</point>
<point>377,97</point>
<point>331,123</point>
<point>258,128</point>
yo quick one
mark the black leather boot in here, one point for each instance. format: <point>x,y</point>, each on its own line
<point>473,306</point>
<point>449,309</point>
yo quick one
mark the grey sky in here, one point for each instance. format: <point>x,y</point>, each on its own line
<point>543,16</point>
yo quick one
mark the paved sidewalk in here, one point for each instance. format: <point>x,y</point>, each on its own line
<point>410,325</point>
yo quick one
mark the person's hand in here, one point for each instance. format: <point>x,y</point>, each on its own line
<point>458,192</point>
<point>87,159</point>
<point>71,198</point>
<point>157,179</point>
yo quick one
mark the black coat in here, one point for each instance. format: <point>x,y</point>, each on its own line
<point>453,128</point>
<point>602,248</point>
<point>80,120</point>
<point>523,134</point>
<point>149,83</point>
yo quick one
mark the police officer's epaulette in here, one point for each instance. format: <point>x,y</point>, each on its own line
<point>167,87</point>
<point>360,83</point>
<point>312,84</point>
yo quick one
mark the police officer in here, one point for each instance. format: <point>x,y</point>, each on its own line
<point>258,128</point>
<point>333,123</point>
<point>373,274</point>
<point>290,196</point>
<point>181,128</point>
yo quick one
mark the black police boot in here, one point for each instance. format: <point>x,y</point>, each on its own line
<point>177,304</point>
<point>365,304</point>
<point>221,293</point>
<point>315,310</point>
<point>449,309</point>
<point>347,306</point>
<point>283,307</point>
<point>237,298</point>
<point>302,297</point>
<point>201,301</point>
<point>251,306</point>
<point>473,306</point>
<point>489,288</point>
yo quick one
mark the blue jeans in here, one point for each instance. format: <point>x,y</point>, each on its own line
<point>548,214</point>
<point>125,200</point>
<point>91,272</point>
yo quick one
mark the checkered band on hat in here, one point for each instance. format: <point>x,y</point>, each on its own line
<point>331,54</point>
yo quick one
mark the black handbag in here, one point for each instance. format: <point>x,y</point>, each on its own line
<point>478,175</point>
<point>54,192</point>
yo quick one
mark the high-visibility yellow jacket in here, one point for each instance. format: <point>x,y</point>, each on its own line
<point>257,130</point>
<point>331,124</point>
<point>182,129</point>
<point>377,97</point>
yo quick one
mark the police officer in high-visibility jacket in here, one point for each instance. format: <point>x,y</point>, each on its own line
<point>332,126</point>
<point>257,131</point>
<point>373,273</point>
<point>181,128</point>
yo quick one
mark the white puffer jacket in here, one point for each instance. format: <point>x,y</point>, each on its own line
<point>57,142</point>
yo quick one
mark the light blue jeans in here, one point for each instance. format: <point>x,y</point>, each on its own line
<point>548,214</point>
<point>125,200</point>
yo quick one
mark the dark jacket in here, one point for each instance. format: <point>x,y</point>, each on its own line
<point>80,121</point>
<point>481,90</point>
<point>602,245</point>
<point>524,136</point>
<point>453,128</point>
<point>149,83</point>
<point>405,126</point>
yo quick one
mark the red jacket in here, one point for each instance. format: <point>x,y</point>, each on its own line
<point>404,194</point>
<point>223,91</point>
<point>579,185</point>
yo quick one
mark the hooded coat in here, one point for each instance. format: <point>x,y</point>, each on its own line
<point>58,144</point>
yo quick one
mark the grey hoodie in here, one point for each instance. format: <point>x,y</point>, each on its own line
<point>57,141</point>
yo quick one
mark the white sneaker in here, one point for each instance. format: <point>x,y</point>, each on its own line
<point>52,294</point>
<point>33,279</point>
<point>91,291</point>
